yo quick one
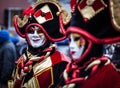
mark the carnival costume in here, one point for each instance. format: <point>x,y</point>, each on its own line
<point>98,21</point>
<point>41,67</point>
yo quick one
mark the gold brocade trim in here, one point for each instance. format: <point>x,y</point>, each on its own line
<point>115,13</point>
<point>51,71</point>
<point>18,68</point>
<point>20,59</point>
<point>45,1</point>
<point>22,22</point>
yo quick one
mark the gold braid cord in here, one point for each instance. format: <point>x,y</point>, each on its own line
<point>115,13</point>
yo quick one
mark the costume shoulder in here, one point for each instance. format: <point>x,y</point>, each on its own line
<point>58,57</point>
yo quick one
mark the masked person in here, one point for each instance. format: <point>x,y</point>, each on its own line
<point>98,22</point>
<point>41,65</point>
<point>76,45</point>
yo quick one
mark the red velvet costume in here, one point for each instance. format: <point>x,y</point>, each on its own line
<point>44,74</point>
<point>97,21</point>
<point>42,66</point>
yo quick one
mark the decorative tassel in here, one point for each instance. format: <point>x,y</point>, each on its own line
<point>26,69</point>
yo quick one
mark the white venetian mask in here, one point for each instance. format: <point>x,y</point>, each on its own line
<point>35,36</point>
<point>76,45</point>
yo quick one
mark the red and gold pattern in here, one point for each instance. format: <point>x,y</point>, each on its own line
<point>47,78</point>
<point>43,15</point>
<point>43,76</point>
<point>90,9</point>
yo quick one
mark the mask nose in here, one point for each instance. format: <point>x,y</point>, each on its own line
<point>71,44</point>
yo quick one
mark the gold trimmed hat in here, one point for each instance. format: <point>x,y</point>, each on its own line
<point>48,15</point>
<point>96,20</point>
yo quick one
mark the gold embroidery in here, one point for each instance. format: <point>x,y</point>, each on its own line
<point>22,22</point>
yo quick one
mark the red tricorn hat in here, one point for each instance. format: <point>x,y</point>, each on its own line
<point>48,15</point>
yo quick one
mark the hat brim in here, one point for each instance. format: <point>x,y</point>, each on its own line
<point>87,35</point>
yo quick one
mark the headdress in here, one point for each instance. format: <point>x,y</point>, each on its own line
<point>97,20</point>
<point>48,15</point>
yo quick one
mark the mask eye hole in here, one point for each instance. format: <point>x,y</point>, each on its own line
<point>39,31</point>
<point>31,30</point>
<point>76,38</point>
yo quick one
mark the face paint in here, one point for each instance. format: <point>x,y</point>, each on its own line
<point>36,37</point>
<point>76,45</point>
